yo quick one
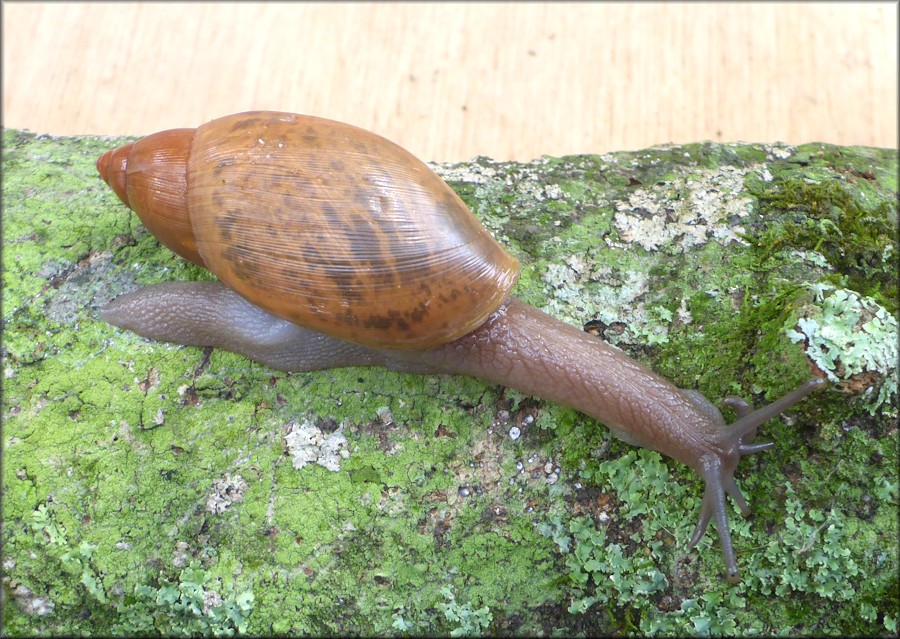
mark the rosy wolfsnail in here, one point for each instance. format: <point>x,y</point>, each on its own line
<point>335,247</point>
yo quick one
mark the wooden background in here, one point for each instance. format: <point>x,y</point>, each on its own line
<point>453,80</point>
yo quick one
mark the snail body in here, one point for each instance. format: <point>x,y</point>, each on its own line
<point>335,247</point>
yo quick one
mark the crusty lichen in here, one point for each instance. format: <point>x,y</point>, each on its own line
<point>688,212</point>
<point>307,443</point>
<point>225,492</point>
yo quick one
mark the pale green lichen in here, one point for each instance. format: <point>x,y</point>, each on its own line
<point>467,620</point>
<point>190,606</point>
<point>847,336</point>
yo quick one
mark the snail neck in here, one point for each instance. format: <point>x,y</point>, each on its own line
<point>526,349</point>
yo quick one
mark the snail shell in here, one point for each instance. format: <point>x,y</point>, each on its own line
<point>320,223</point>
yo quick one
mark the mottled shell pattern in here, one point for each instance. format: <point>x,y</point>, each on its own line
<point>321,223</point>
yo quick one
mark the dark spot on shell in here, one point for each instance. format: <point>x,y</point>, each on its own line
<point>245,123</point>
<point>227,224</point>
<point>350,291</point>
<point>243,264</point>
<point>419,314</point>
<point>330,212</point>
<point>380,322</point>
<point>446,299</point>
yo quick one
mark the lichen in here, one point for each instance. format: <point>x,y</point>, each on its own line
<point>686,212</point>
<point>225,492</point>
<point>307,443</point>
<point>31,604</point>
<point>849,337</point>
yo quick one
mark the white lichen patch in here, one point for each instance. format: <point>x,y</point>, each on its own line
<point>307,443</point>
<point>684,315</point>
<point>559,275</point>
<point>813,257</point>
<point>779,151</point>
<point>385,415</point>
<point>471,173</point>
<point>564,289</point>
<point>690,212</point>
<point>225,491</point>
<point>181,555</point>
<point>848,336</point>
<point>616,299</point>
<point>532,187</point>
<point>32,604</point>
<point>211,599</point>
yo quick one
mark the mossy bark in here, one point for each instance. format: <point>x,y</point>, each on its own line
<point>151,488</point>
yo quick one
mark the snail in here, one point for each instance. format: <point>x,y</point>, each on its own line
<point>335,247</point>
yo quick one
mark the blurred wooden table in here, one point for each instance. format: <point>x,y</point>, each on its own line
<point>455,80</point>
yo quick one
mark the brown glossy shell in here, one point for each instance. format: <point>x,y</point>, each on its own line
<point>337,229</point>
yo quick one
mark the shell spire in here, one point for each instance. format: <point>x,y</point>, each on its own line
<point>150,177</point>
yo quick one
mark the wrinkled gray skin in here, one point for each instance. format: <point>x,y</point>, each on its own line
<point>517,346</point>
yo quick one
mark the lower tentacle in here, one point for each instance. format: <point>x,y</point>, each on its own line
<point>714,507</point>
<point>715,488</point>
<point>703,523</point>
<point>732,489</point>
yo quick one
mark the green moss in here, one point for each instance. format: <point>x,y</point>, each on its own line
<point>856,234</point>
